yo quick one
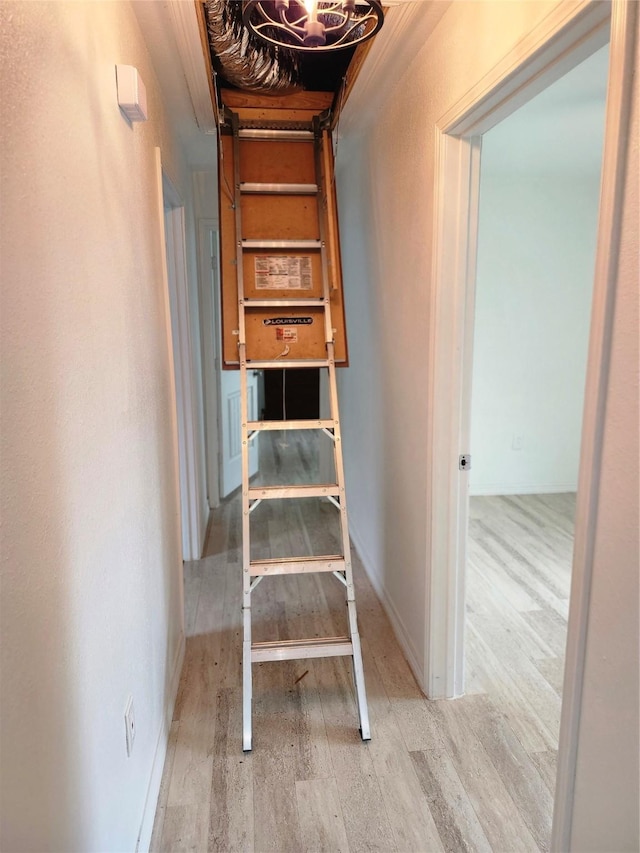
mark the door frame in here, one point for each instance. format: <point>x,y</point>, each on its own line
<point>569,34</point>
<point>208,278</point>
<point>173,237</point>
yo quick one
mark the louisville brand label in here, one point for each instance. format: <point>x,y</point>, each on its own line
<point>288,321</point>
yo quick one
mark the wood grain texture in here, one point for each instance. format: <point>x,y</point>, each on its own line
<point>316,101</point>
<point>452,810</point>
<point>321,822</point>
<point>472,774</point>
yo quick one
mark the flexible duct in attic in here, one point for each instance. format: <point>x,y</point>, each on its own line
<point>245,61</point>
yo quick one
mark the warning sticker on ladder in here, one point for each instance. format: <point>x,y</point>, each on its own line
<point>290,336</point>
<point>283,272</point>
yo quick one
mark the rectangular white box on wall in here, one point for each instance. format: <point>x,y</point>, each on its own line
<point>132,95</point>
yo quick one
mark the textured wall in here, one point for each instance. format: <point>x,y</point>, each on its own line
<point>91,562</point>
<point>385,180</point>
<point>607,796</point>
<point>385,186</point>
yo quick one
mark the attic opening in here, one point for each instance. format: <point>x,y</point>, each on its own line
<point>240,62</point>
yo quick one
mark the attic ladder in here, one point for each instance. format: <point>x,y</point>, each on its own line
<point>340,565</point>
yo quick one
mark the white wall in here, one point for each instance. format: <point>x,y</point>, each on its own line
<point>91,561</point>
<point>384,173</point>
<point>385,180</point>
<point>536,254</point>
<point>607,780</point>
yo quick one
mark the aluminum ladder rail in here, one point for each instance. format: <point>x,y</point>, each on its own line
<point>253,571</point>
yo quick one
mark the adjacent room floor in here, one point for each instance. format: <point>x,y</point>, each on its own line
<point>473,774</point>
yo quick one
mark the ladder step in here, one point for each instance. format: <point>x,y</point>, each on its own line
<point>278,189</point>
<point>291,135</point>
<point>297,565</point>
<point>281,244</point>
<point>265,493</point>
<point>282,303</point>
<point>282,363</point>
<point>295,649</point>
<point>284,425</point>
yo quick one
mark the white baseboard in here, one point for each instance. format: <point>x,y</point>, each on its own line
<point>390,609</point>
<point>493,489</point>
<point>153,791</point>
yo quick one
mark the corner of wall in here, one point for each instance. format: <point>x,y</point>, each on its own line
<point>402,635</point>
<point>155,780</point>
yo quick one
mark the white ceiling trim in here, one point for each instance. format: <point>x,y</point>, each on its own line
<point>186,30</point>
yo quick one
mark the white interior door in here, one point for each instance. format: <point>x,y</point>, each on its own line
<point>231,423</point>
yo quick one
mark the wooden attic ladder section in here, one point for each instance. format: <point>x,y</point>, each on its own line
<point>277,330</point>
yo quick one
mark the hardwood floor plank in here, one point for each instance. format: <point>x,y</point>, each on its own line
<point>548,624</point>
<point>301,717</point>
<point>500,686</point>
<point>519,569</point>
<point>500,588</point>
<point>321,823</point>
<point>409,814</point>
<point>275,808</point>
<point>453,813</point>
<point>210,607</point>
<point>501,821</point>
<point>514,766</point>
<point>193,762</point>
<point>365,818</point>
<point>504,644</point>
<point>387,749</point>
<point>547,764</point>
<point>185,829</point>
<point>232,809</point>
<point>552,670</point>
<point>193,759</point>
<point>475,774</point>
<point>192,581</point>
<point>508,625</point>
<point>158,824</point>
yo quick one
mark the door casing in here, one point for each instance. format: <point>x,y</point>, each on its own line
<point>567,36</point>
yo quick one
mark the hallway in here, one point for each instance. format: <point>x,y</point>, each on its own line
<point>472,774</point>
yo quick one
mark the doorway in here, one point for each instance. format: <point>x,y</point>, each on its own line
<point>537,229</point>
<point>178,293</point>
<point>559,46</point>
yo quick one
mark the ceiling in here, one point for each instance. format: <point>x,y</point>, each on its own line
<point>173,31</point>
<point>558,130</point>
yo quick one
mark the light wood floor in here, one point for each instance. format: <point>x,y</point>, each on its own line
<point>473,774</point>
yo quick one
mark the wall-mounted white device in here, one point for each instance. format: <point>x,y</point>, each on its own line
<point>132,95</point>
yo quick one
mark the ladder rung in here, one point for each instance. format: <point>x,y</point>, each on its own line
<point>297,565</point>
<point>278,189</point>
<point>279,492</point>
<point>283,303</point>
<point>305,424</point>
<point>295,649</point>
<point>281,244</point>
<point>292,135</point>
<point>280,364</point>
